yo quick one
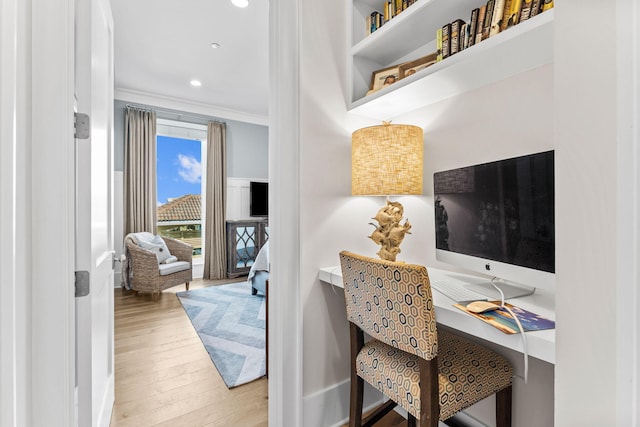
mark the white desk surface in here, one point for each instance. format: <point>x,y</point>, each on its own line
<point>540,344</point>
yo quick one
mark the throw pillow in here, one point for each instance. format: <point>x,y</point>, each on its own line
<point>157,246</point>
<point>169,260</point>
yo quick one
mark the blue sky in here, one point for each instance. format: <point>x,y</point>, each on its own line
<point>178,167</point>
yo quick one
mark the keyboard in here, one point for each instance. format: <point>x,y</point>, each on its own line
<point>456,290</point>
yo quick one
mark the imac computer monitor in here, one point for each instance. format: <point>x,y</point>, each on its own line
<point>497,218</point>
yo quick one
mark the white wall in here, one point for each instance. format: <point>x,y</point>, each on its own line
<point>247,142</point>
<point>597,192</point>
<point>238,197</point>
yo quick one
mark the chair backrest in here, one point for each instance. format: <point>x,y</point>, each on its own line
<point>392,302</point>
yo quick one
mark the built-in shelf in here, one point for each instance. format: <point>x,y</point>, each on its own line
<point>521,48</point>
<point>408,31</point>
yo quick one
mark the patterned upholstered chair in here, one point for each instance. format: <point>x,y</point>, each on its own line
<point>431,373</point>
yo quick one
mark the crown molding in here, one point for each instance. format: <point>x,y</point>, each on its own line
<point>134,96</point>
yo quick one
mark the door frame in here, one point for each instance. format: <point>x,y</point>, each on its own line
<point>36,185</point>
<point>628,213</point>
<point>52,214</point>
<point>14,267</point>
<point>285,306</point>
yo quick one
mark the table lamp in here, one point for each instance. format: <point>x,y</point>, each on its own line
<point>387,160</point>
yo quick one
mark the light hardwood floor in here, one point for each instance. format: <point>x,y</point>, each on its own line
<point>163,374</point>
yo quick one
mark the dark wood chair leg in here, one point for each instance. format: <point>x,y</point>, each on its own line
<point>186,285</point>
<point>429,395</point>
<point>411,420</point>
<point>357,383</point>
<point>355,404</point>
<point>503,407</point>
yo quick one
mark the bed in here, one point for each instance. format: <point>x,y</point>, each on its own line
<point>259,273</point>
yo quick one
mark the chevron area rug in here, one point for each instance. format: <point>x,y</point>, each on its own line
<point>231,324</point>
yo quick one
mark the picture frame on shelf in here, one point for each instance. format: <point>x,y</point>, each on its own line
<point>384,77</point>
<point>412,67</point>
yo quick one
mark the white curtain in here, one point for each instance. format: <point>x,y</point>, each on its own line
<point>215,262</point>
<point>140,198</point>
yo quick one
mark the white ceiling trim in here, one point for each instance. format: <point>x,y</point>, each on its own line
<point>128,95</point>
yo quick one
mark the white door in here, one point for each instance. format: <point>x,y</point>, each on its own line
<point>94,213</point>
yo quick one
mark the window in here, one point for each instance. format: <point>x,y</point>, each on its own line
<point>179,175</point>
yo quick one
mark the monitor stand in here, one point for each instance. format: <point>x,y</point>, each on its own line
<point>510,291</point>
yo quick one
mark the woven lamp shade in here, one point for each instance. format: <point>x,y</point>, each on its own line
<point>387,160</point>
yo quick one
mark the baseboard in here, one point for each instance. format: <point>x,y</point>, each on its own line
<point>117,279</point>
<point>330,406</point>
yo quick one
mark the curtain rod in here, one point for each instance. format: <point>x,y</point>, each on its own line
<point>176,113</point>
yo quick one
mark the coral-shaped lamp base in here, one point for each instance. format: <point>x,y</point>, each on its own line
<point>389,233</point>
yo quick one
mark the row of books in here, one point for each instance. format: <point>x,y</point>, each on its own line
<point>486,21</point>
<point>390,9</point>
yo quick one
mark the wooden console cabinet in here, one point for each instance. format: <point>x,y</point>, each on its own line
<point>244,240</point>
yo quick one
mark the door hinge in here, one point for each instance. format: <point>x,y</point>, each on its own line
<point>81,125</point>
<point>82,283</point>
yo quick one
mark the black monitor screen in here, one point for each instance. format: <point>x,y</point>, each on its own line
<point>259,198</point>
<point>501,211</point>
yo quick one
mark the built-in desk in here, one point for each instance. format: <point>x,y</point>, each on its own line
<point>540,344</point>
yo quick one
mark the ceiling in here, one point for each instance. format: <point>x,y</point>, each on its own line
<point>161,45</point>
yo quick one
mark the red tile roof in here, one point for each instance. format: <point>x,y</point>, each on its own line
<point>183,208</point>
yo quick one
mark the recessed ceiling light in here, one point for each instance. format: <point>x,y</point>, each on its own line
<point>240,3</point>
<point>215,45</point>
<point>196,83</point>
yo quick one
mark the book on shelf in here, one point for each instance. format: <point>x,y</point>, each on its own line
<point>505,13</point>
<point>502,320</point>
<point>465,36</point>
<point>536,7</point>
<point>480,23</point>
<point>439,44</point>
<point>390,9</point>
<point>496,19</point>
<point>374,21</point>
<point>387,11</point>
<point>525,10</point>
<point>456,36</point>
<point>446,40</point>
<point>486,26</point>
<point>397,7</point>
<point>511,15</point>
<point>473,26</point>
<point>546,5</point>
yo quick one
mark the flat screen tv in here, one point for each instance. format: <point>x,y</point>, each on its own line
<point>258,199</point>
<point>498,218</point>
